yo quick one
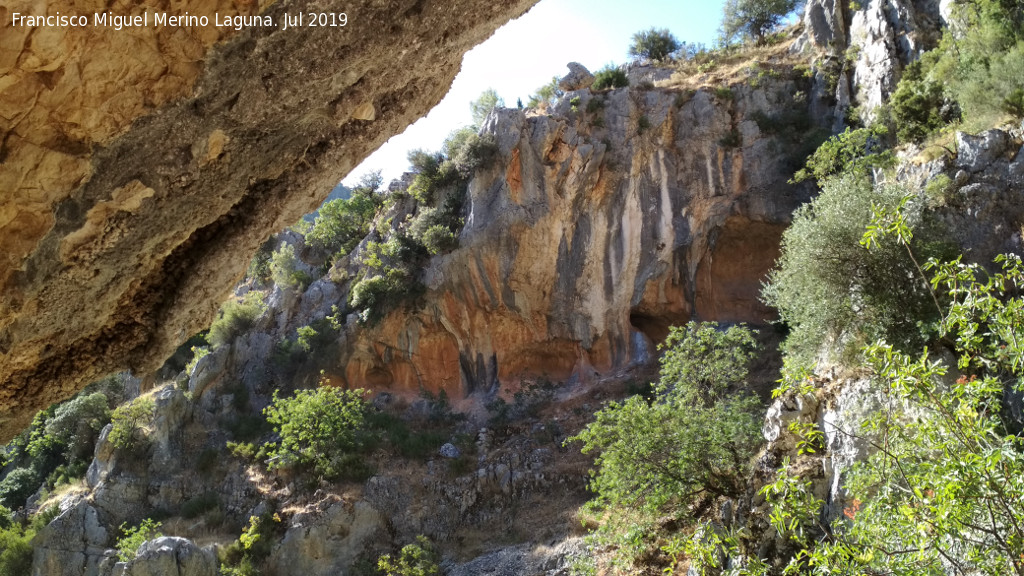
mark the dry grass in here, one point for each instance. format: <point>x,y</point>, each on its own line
<point>62,491</point>
<point>726,67</point>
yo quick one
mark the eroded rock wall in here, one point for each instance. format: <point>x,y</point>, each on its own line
<point>862,47</point>
<point>141,170</point>
<point>589,236</point>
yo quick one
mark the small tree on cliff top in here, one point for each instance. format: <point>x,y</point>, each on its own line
<point>754,18</point>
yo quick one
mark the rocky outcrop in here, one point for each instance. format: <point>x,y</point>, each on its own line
<point>73,544</point>
<point>863,46</point>
<point>578,78</point>
<point>650,210</point>
<point>526,560</point>
<point>327,542</point>
<point>169,556</point>
<point>130,208</point>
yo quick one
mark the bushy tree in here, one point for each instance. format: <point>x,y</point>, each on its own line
<point>15,551</point>
<point>128,423</point>
<point>78,421</point>
<point>321,429</point>
<point>830,290</point>
<point>694,439</point>
<point>286,268</point>
<point>342,223</point>
<point>917,105</point>
<point>17,486</point>
<point>941,491</point>
<point>653,44</point>
<point>482,106</point>
<point>754,18</point>
<point>546,95</point>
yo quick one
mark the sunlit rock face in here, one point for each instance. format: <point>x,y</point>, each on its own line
<point>141,168</point>
<point>590,235</point>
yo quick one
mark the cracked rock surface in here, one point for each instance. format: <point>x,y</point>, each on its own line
<point>141,170</point>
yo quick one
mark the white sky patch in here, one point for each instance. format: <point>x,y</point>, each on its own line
<point>525,53</point>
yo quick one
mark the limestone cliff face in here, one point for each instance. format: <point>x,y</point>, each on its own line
<point>865,45</point>
<point>590,235</point>
<point>141,169</point>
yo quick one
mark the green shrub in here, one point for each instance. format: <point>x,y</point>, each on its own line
<point>235,318</point>
<point>18,486</point>
<point>15,551</point>
<point>916,105</point>
<point>322,430</point>
<point>341,224</point>
<point>696,438</point>
<point>285,269</point>
<point>997,89</point>
<point>129,422</point>
<point>610,77</point>
<point>78,421</point>
<point>198,353</point>
<point>439,239</point>
<point>475,152</point>
<point>854,152</point>
<point>416,559</point>
<point>378,294</point>
<point>653,44</point>
<point>829,289</point>
<point>135,536</point>
<point>259,266</point>
<point>939,190</point>
<point>943,491</point>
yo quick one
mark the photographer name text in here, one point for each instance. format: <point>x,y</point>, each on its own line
<point>163,19</point>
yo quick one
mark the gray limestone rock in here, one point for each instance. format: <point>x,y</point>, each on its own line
<point>578,78</point>
<point>326,543</point>
<point>975,153</point>
<point>449,450</point>
<point>169,556</point>
<point>73,544</point>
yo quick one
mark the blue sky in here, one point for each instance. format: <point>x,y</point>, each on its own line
<point>526,53</point>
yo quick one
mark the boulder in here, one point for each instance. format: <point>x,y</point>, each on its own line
<point>169,556</point>
<point>449,450</point>
<point>73,544</point>
<point>578,78</point>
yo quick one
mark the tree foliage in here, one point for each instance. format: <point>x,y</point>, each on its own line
<point>695,438</point>
<point>321,429</point>
<point>653,44</point>
<point>342,223</point>
<point>830,290</point>
<point>482,106</point>
<point>854,151</point>
<point>754,19</point>
<point>128,423</point>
